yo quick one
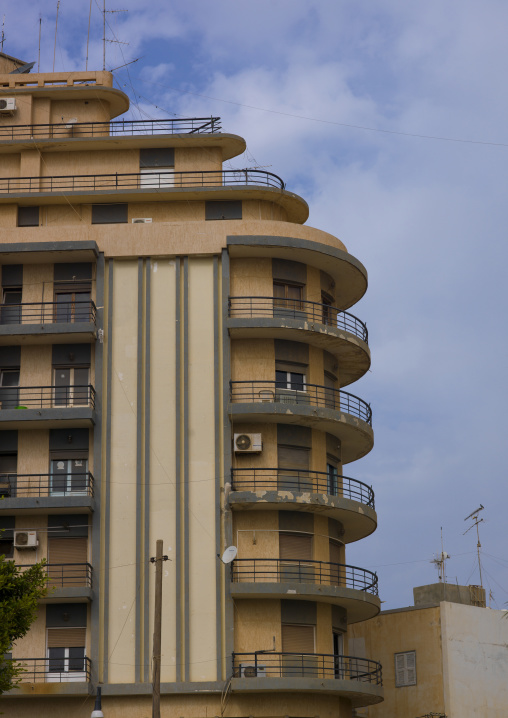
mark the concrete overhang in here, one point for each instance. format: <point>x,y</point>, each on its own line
<point>353,354</point>
<point>360,605</point>
<point>53,504</point>
<point>357,437</point>
<point>348,273</point>
<point>54,252</point>
<point>77,417</point>
<point>116,99</point>
<point>77,333</point>
<point>360,693</point>
<point>357,519</point>
<point>231,145</point>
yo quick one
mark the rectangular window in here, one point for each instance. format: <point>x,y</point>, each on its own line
<point>28,216</point>
<point>71,386</point>
<point>228,209</point>
<point>298,640</point>
<point>328,314</point>
<point>8,475</point>
<point>109,213</point>
<point>9,388</point>
<point>67,558</point>
<point>69,474</point>
<point>289,380</point>
<point>7,524</point>
<point>333,479</point>
<point>405,669</point>
<point>295,551</point>
<point>66,654</point>
<point>287,299</point>
<point>293,471</point>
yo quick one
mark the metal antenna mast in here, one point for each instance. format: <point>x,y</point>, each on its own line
<point>56,30</point>
<point>474,517</point>
<point>3,34</point>
<point>104,38</point>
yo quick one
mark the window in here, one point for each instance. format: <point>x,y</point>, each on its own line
<point>293,471</point>
<point>287,298</point>
<point>338,651</point>
<point>333,479</point>
<point>11,306</point>
<point>109,213</point>
<point>8,474</point>
<point>9,388</point>
<point>328,314</point>
<point>7,524</point>
<point>66,654</point>
<point>295,551</point>
<point>69,474</point>
<point>71,386</point>
<point>73,291</point>
<point>28,216</point>
<point>298,640</point>
<point>405,669</point>
<point>289,380</point>
<point>229,209</point>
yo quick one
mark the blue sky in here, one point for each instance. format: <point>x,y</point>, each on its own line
<point>427,217</point>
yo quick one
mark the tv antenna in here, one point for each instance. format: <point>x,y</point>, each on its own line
<point>474,518</point>
<point>2,38</point>
<point>104,38</point>
<point>440,561</point>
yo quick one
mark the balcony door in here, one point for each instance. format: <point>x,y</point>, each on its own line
<point>69,476</point>
<point>338,655</point>
<point>298,645</point>
<point>9,388</point>
<point>72,306</point>
<point>287,300</point>
<point>71,386</point>
<point>67,558</point>
<point>8,475</point>
<point>66,655</point>
<point>11,306</point>
<point>293,471</point>
<point>295,556</point>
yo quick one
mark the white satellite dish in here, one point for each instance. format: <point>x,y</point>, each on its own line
<point>229,554</point>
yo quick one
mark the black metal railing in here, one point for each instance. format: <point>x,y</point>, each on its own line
<point>280,570</point>
<point>273,307</point>
<point>47,397</point>
<point>67,575</point>
<point>318,482</point>
<point>55,670</point>
<point>264,391</point>
<point>26,486</point>
<point>48,313</point>
<point>61,130</point>
<point>163,180</point>
<point>263,664</point>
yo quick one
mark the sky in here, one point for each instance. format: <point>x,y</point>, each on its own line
<point>389,118</point>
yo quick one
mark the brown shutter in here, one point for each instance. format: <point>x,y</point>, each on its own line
<point>295,546</point>
<point>297,639</point>
<point>292,457</point>
<point>335,552</point>
<point>67,550</point>
<point>66,637</point>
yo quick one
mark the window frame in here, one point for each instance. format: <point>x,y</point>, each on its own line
<point>406,680</point>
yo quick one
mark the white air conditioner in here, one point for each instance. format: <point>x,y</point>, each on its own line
<point>7,105</point>
<point>250,670</point>
<point>25,539</point>
<point>142,220</point>
<point>248,443</point>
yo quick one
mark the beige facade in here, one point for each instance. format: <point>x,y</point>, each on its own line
<point>440,657</point>
<point>174,347</point>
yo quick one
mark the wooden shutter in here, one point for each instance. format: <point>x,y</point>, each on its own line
<point>297,639</point>
<point>67,550</point>
<point>293,457</point>
<point>66,637</point>
<point>335,552</point>
<point>405,669</point>
<point>295,546</point>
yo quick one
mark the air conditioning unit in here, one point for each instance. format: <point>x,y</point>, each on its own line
<point>7,105</point>
<point>248,443</point>
<point>250,670</point>
<point>25,539</point>
<point>142,220</point>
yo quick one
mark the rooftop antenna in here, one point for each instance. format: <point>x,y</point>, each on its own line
<point>88,35</point>
<point>3,34</point>
<point>440,561</point>
<point>104,38</point>
<point>474,517</point>
<point>39,55</point>
<point>56,29</point>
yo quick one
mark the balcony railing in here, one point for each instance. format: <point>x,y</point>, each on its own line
<point>158,181</point>
<point>273,307</point>
<point>55,670</point>
<point>315,395</point>
<point>48,313</point>
<point>67,575</point>
<point>27,486</point>
<point>318,482</point>
<point>61,130</point>
<point>306,665</point>
<point>275,570</point>
<point>47,397</point>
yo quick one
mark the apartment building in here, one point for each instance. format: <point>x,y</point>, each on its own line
<point>176,357</point>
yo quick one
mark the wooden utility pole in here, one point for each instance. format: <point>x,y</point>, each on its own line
<point>157,623</point>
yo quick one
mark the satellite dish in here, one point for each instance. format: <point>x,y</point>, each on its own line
<point>229,554</point>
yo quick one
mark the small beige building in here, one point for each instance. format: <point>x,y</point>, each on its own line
<point>445,656</point>
<point>176,362</point>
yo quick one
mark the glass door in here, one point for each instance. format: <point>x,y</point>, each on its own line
<point>69,476</point>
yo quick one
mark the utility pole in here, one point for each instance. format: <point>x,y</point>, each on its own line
<point>157,630</point>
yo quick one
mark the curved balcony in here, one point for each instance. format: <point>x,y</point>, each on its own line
<point>357,679</point>
<point>47,406</point>
<point>353,588</point>
<point>339,413</point>
<point>320,325</point>
<point>339,497</point>
<point>58,322</point>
